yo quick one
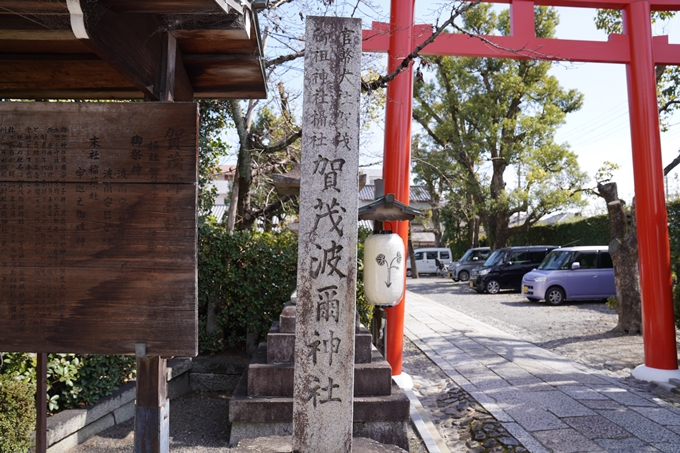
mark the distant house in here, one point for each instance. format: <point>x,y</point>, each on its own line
<point>419,198</point>
<point>223,181</point>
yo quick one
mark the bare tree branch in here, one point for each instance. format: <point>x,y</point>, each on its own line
<point>275,5</point>
<point>429,130</point>
<point>668,168</point>
<point>284,59</point>
<point>250,217</point>
<point>382,81</point>
<point>668,104</point>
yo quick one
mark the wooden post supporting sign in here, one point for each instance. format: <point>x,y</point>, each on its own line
<point>152,408</point>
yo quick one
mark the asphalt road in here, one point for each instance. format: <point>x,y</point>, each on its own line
<point>578,330</point>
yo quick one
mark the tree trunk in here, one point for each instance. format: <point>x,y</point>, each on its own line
<point>437,227</point>
<point>623,250</point>
<point>244,165</point>
<point>231,219</point>
<point>473,231</point>
<point>498,230</point>
<point>412,254</point>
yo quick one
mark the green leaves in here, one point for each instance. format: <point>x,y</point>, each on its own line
<point>667,77</point>
<point>485,118</point>
<point>73,380</point>
<point>17,414</point>
<point>248,277</point>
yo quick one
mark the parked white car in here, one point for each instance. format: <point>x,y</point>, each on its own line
<point>426,260</point>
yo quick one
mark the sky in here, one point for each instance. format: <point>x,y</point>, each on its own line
<point>600,130</point>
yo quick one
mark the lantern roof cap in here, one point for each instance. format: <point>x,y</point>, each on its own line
<point>289,183</point>
<point>386,208</point>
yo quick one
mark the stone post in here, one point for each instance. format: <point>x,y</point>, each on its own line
<point>324,343</point>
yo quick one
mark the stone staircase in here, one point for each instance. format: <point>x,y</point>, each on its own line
<point>262,404</point>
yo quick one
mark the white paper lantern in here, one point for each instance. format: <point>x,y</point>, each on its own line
<point>384,267</point>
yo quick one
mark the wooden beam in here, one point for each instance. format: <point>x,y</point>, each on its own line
<point>211,26</point>
<point>175,83</point>
<point>41,403</point>
<point>130,43</point>
<point>53,75</point>
<point>152,409</point>
<point>162,6</point>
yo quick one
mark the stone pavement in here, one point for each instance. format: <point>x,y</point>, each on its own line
<point>503,388</point>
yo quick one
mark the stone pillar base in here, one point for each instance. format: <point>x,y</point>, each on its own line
<point>645,373</point>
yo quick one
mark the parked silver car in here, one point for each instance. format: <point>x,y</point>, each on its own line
<point>571,273</point>
<point>472,259</point>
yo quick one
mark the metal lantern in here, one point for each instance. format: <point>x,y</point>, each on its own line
<point>384,267</point>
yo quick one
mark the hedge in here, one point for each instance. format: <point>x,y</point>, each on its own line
<point>73,380</point>
<point>248,276</point>
<point>589,231</point>
<point>17,414</point>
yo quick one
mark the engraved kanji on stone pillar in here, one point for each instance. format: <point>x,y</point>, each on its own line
<point>329,180</point>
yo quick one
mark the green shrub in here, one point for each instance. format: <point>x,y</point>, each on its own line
<point>674,236</point>
<point>73,380</point>
<point>248,277</point>
<point>363,307</point>
<point>17,414</point>
<point>589,231</point>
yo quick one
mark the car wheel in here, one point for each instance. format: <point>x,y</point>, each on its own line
<point>554,295</point>
<point>493,287</point>
<point>408,273</point>
<point>464,276</point>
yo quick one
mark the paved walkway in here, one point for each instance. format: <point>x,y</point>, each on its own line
<point>545,401</point>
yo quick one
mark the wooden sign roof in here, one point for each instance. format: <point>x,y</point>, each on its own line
<point>122,49</point>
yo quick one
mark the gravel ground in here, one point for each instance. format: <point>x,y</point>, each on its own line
<point>199,423</point>
<point>580,331</point>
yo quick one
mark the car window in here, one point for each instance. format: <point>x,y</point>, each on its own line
<point>495,258</point>
<point>605,261</point>
<point>419,255</point>
<point>484,254</point>
<point>586,260</point>
<point>537,257</point>
<point>444,255</point>
<point>557,259</point>
<point>520,258</point>
<point>467,256</point>
<point>431,255</point>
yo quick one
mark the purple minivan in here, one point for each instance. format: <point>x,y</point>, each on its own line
<point>571,273</point>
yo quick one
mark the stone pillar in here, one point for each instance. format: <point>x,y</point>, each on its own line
<point>324,343</point>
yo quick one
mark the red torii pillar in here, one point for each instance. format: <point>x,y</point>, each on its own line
<point>397,154</point>
<point>640,52</point>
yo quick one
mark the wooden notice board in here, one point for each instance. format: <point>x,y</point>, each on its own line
<point>98,227</point>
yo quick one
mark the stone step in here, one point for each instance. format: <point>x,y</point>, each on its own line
<point>382,418</point>
<point>281,345</point>
<point>276,379</point>
<point>287,319</point>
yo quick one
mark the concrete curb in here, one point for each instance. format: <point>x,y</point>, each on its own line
<point>69,428</point>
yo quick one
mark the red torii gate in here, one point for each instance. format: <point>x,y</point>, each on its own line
<point>639,51</point>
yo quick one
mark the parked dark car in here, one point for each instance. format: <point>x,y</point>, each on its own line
<point>472,259</point>
<point>505,268</point>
